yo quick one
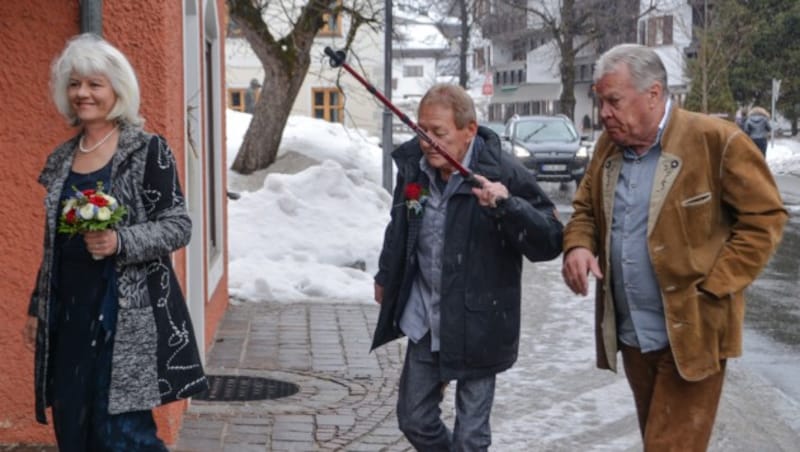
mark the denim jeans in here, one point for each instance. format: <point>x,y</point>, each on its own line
<point>418,405</point>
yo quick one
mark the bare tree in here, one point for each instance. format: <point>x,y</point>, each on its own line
<point>577,24</point>
<point>721,37</point>
<point>442,13</point>
<point>286,61</point>
<point>466,11</point>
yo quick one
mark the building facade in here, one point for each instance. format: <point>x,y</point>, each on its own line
<point>526,69</point>
<point>177,50</point>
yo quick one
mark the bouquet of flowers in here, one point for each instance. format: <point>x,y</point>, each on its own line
<point>90,210</point>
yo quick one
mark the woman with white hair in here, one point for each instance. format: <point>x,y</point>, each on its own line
<point>757,127</point>
<point>110,326</point>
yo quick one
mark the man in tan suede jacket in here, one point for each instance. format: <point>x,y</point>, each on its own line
<point>677,214</point>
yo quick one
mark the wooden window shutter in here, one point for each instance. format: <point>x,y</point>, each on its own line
<point>667,29</point>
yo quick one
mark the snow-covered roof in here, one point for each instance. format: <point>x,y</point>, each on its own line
<point>419,36</point>
<point>423,13</point>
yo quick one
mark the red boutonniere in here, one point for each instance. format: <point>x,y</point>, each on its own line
<point>416,196</point>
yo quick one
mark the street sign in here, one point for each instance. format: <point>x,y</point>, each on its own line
<point>488,85</point>
<point>776,89</point>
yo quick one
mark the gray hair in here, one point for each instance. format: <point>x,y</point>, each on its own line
<point>88,54</point>
<point>453,97</point>
<point>643,63</point>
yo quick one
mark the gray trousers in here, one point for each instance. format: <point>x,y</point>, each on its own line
<point>420,394</point>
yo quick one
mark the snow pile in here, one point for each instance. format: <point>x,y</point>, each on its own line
<point>314,235</point>
<point>783,156</point>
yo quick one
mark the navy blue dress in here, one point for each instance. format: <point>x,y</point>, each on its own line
<point>84,322</point>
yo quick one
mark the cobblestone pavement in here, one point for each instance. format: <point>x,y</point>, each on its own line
<point>347,394</point>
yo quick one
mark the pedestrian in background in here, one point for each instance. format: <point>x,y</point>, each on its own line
<point>741,115</point>
<point>111,330</point>
<point>251,95</point>
<point>677,215</point>
<point>450,267</point>
<point>758,128</point>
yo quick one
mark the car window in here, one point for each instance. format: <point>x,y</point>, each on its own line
<point>545,130</point>
<point>498,127</point>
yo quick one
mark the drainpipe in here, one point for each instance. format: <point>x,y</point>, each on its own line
<point>387,91</point>
<point>92,16</point>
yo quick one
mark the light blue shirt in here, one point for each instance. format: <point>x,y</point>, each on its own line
<point>637,296</point>
<point>421,313</point>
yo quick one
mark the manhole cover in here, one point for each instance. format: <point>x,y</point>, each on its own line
<point>223,388</point>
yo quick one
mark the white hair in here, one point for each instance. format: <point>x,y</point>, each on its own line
<point>644,64</point>
<point>86,55</point>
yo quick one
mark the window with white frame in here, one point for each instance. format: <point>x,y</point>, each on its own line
<point>412,71</point>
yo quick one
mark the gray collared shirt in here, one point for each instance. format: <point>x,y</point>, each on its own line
<point>637,295</point>
<point>421,313</point>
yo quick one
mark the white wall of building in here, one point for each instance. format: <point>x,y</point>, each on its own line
<point>413,87</point>
<point>542,64</point>
<point>672,54</point>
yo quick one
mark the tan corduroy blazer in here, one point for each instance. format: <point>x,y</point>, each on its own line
<point>715,218</point>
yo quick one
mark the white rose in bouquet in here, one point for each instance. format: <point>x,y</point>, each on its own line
<point>103,213</point>
<point>87,212</point>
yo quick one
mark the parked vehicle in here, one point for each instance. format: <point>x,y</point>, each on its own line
<point>497,127</point>
<point>500,129</point>
<point>550,146</point>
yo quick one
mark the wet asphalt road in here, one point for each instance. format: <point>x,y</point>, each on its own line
<point>772,319</point>
<point>773,308</point>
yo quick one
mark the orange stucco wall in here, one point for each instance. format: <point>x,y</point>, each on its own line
<point>33,32</point>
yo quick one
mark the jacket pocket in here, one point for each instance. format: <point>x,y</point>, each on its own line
<point>491,327</point>
<point>700,199</point>
<point>697,213</point>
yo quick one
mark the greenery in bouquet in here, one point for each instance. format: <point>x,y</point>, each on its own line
<point>89,210</point>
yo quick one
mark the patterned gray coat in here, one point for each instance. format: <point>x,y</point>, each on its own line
<point>155,358</point>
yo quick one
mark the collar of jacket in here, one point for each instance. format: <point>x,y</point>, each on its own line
<point>130,140</point>
<point>486,157</point>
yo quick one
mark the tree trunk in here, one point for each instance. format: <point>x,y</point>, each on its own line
<point>260,145</point>
<point>567,65</point>
<point>285,62</point>
<point>463,76</point>
<point>283,79</point>
<point>567,68</point>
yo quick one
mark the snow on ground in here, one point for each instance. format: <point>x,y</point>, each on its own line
<point>299,236</point>
<point>303,236</point>
<point>315,138</point>
<point>783,156</point>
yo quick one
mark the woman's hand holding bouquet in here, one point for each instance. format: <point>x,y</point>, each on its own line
<point>93,213</point>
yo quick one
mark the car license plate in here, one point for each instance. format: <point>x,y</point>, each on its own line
<point>554,167</point>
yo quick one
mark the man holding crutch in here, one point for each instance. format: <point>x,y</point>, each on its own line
<point>449,272</point>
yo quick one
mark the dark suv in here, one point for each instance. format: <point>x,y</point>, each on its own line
<point>549,146</point>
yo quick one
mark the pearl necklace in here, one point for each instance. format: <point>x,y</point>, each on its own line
<point>96,145</point>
